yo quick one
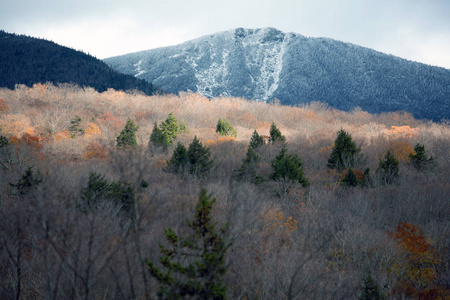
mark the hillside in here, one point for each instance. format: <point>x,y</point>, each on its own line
<point>80,215</point>
<point>264,64</point>
<point>27,60</point>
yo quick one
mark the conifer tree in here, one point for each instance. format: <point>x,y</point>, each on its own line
<point>275,134</point>
<point>193,266</point>
<point>183,127</point>
<point>199,158</point>
<point>127,136</point>
<point>29,181</point>
<point>370,289</point>
<point>225,128</point>
<point>388,169</point>
<point>170,127</point>
<point>4,141</point>
<point>248,170</point>
<point>97,190</point>
<point>345,154</point>
<point>179,160</point>
<point>74,127</point>
<point>288,166</point>
<point>159,138</point>
<point>350,178</point>
<point>256,140</point>
<point>419,160</point>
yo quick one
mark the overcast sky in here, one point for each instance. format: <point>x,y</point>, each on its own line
<point>418,30</point>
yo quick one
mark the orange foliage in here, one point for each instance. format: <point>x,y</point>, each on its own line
<point>29,140</point>
<point>222,139</point>
<point>249,120</point>
<point>419,269</point>
<point>97,151</point>
<point>3,106</point>
<point>275,222</point>
<point>400,149</point>
<point>63,135</point>
<point>15,125</point>
<point>402,131</point>
<point>92,130</point>
<point>359,175</point>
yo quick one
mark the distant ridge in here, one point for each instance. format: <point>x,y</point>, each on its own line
<point>264,64</point>
<point>27,60</point>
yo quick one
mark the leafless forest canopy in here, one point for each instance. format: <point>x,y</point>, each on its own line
<point>288,242</point>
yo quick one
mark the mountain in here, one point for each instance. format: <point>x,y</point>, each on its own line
<point>264,64</point>
<point>27,60</point>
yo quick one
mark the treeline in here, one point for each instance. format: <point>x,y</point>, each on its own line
<point>280,202</point>
<point>27,60</point>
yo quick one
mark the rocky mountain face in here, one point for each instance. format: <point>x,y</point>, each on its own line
<point>263,64</point>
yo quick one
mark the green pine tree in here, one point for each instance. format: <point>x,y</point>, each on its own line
<point>388,169</point>
<point>74,127</point>
<point>288,167</point>
<point>350,178</point>
<point>4,141</point>
<point>275,134</point>
<point>419,160</point>
<point>199,158</point>
<point>183,127</point>
<point>170,127</point>
<point>345,154</point>
<point>96,191</point>
<point>159,138</point>
<point>225,128</point>
<point>127,136</point>
<point>249,169</point>
<point>193,266</point>
<point>370,290</point>
<point>29,181</point>
<point>256,140</point>
<point>179,160</point>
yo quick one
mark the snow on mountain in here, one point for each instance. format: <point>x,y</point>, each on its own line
<point>263,64</point>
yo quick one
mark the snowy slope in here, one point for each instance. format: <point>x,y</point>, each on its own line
<point>263,64</point>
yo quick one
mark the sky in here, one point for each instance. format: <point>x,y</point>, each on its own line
<point>417,30</point>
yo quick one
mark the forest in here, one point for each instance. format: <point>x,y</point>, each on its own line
<point>121,195</point>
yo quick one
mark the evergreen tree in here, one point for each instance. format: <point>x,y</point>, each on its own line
<point>370,290</point>
<point>193,266</point>
<point>170,127</point>
<point>345,154</point>
<point>350,178</point>
<point>388,169</point>
<point>256,140</point>
<point>183,127</point>
<point>275,134</point>
<point>28,182</point>
<point>225,128</point>
<point>288,166</point>
<point>74,127</point>
<point>199,158</point>
<point>4,141</point>
<point>96,191</point>
<point>159,138</point>
<point>419,160</point>
<point>179,160</point>
<point>127,136</point>
<point>248,170</point>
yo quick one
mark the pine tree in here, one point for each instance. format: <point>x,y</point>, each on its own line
<point>97,190</point>
<point>127,136</point>
<point>388,169</point>
<point>74,127</point>
<point>345,154</point>
<point>28,182</point>
<point>256,140</point>
<point>183,127</point>
<point>179,160</point>
<point>170,127</point>
<point>4,141</point>
<point>225,128</point>
<point>159,138</point>
<point>419,160</point>
<point>370,289</point>
<point>288,166</point>
<point>193,266</point>
<point>248,170</point>
<point>199,158</point>
<point>275,134</point>
<point>350,178</point>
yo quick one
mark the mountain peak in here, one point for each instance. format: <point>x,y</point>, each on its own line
<point>266,63</point>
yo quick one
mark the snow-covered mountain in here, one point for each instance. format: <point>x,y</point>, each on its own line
<point>263,64</point>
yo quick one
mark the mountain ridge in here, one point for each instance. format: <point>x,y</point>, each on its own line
<point>28,60</point>
<point>263,64</point>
